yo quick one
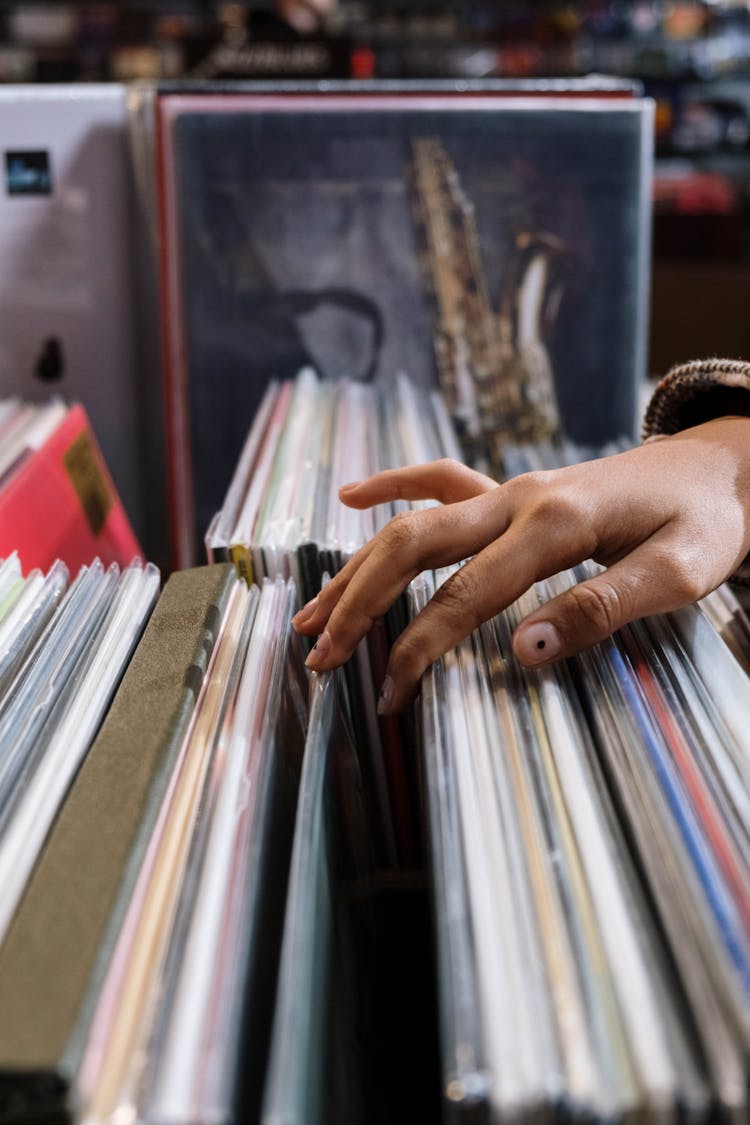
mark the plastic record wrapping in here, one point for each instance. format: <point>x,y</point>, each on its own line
<point>222,968</point>
<point>282,515</point>
<point>115,1053</point>
<point>638,1049</point>
<point>318,1062</point>
<point>466,1075</point>
<point>55,702</point>
<point>696,880</point>
<point>27,606</point>
<point>190,987</point>
<point>588,833</point>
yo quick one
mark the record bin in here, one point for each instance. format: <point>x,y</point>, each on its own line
<point>363,232</point>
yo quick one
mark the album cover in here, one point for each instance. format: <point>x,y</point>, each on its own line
<point>494,246</point>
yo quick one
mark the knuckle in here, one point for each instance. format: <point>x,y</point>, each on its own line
<point>540,495</point>
<point>329,597</point>
<point>352,617</point>
<point>457,599</point>
<point>449,466</point>
<point>600,604</point>
<point>408,658</point>
<point>400,534</point>
<point>517,491</point>
<point>684,578</point>
<point>448,477</point>
<point>555,507</point>
<point>528,484</point>
<point>677,571</point>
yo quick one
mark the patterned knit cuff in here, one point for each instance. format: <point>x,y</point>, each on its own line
<point>697,392</point>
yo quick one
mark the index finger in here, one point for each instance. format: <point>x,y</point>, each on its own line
<point>487,584</point>
<point>446,480</point>
<point>410,543</point>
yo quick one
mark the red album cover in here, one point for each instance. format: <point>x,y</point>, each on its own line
<point>61,504</point>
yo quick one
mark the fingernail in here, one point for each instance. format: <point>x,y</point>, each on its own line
<point>352,484</point>
<point>307,611</point>
<point>319,651</point>
<point>385,698</point>
<point>537,643</point>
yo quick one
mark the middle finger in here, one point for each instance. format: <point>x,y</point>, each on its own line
<point>410,543</point>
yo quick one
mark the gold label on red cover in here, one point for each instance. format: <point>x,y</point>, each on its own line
<point>82,465</point>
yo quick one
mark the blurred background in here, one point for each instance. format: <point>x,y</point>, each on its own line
<point>691,56</point>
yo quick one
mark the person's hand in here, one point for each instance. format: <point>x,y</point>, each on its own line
<point>669,519</point>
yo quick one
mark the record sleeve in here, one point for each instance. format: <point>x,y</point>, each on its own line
<point>318,1060</point>
<point>544,195</point>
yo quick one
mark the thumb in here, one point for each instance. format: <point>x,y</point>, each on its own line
<point>645,582</point>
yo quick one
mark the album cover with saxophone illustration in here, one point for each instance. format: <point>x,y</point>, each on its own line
<point>491,245</point>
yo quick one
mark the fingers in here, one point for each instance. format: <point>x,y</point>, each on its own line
<point>446,480</point>
<point>487,584</point>
<point>366,588</point>
<point>653,578</point>
<point>525,530</point>
<point>311,618</point>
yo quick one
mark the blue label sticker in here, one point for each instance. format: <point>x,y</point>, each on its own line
<point>28,173</point>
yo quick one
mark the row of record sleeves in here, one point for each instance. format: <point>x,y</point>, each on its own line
<point>590,857</point>
<point>145,867</point>
<point>192,861</point>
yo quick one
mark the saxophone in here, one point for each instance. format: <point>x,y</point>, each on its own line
<point>493,366</point>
